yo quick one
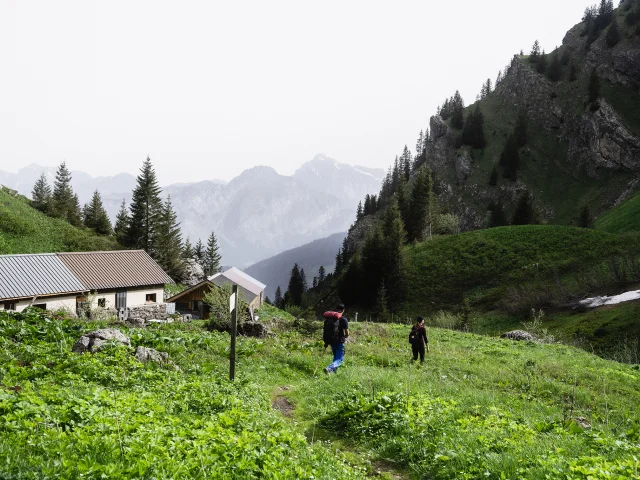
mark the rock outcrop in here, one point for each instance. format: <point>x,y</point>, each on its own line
<point>93,341</point>
<point>194,273</point>
<point>519,335</point>
<point>144,355</point>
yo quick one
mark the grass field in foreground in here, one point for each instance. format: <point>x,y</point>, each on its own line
<point>480,407</point>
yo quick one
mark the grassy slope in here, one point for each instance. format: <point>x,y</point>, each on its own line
<point>623,218</point>
<point>24,229</point>
<point>480,407</point>
<point>483,264</point>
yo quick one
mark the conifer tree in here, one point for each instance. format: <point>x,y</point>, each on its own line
<point>75,212</point>
<point>359,212</point>
<point>535,52</point>
<point>277,299</point>
<point>594,86</point>
<point>212,256</point>
<point>303,280</point>
<point>457,118</point>
<point>420,144</point>
<point>373,263</point>
<point>510,159</point>
<point>315,282</point>
<point>121,226</point>
<point>321,274</point>
<point>585,219</point>
<point>499,78</point>
<point>187,250</point>
<point>542,63</point>
<point>525,213</point>
<point>421,205</point>
<point>406,160</point>
<point>338,268</point>
<point>198,252</point>
<point>554,72</point>
<point>296,287</point>
<point>403,203</point>
<point>613,35</point>
<point>394,262</point>
<point>473,131</point>
<point>41,194</point>
<point>62,200</point>
<point>168,248</point>
<point>488,87</point>
<point>145,208</point>
<point>95,216</point>
<point>380,308</point>
<point>493,178</point>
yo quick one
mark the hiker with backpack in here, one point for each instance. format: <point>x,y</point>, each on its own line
<point>335,333</point>
<point>418,339</point>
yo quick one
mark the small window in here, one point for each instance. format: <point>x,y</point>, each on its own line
<point>102,303</point>
<point>151,298</point>
<point>9,305</point>
<point>41,306</point>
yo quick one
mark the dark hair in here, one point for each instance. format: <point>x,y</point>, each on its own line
<point>340,308</point>
<point>419,319</point>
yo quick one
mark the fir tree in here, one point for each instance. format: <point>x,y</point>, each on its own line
<point>473,131</point>
<point>493,178</point>
<point>380,309</point>
<point>525,213</point>
<point>394,263</point>
<point>74,214</point>
<point>62,200</point>
<point>267,300</point>
<point>510,159</point>
<point>421,205</point>
<point>95,216</point>
<point>520,130</point>
<point>121,226</point>
<point>278,300</point>
<point>585,219</point>
<point>594,86</point>
<point>168,248</point>
<point>613,35</point>
<point>499,78</point>
<point>212,256</point>
<point>535,52</point>
<point>198,253</point>
<point>403,203</point>
<point>457,118</point>
<point>554,72</point>
<point>405,163</point>
<point>315,282</point>
<point>187,250</point>
<point>359,212</point>
<point>41,194</point>
<point>338,268</point>
<point>296,287</point>
<point>145,208</point>
<point>373,263</point>
<point>321,274</point>
<point>541,66</point>
<point>420,145</point>
<point>303,280</point>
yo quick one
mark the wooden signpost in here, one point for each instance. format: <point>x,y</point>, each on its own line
<point>233,308</point>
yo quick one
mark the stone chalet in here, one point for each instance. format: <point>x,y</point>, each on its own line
<point>70,281</point>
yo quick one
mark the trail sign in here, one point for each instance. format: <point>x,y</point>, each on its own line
<point>233,308</point>
<point>232,300</point>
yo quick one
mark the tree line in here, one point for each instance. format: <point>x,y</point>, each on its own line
<point>148,223</point>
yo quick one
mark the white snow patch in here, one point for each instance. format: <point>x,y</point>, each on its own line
<point>365,173</point>
<point>616,299</point>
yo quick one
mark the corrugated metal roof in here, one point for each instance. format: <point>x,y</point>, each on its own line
<point>23,276</point>
<point>246,295</point>
<point>115,269</point>
<point>240,278</point>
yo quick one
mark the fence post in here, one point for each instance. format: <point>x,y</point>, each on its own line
<point>233,307</point>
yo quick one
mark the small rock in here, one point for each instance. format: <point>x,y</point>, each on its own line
<point>92,342</point>
<point>519,335</point>
<point>144,355</point>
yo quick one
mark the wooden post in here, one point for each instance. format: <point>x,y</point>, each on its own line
<point>233,307</point>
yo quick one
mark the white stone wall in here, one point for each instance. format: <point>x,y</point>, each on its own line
<point>138,297</point>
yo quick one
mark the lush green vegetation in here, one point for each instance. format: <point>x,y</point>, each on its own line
<point>23,229</point>
<point>623,218</point>
<point>486,265</point>
<point>479,408</point>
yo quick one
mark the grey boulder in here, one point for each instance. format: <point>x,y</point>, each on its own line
<point>92,342</point>
<point>519,335</point>
<point>144,355</point>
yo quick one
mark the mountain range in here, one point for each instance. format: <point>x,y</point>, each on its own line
<point>256,215</point>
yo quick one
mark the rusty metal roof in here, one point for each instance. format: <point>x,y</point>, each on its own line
<point>115,269</point>
<point>25,276</point>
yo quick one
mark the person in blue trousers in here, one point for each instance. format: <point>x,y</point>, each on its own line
<point>335,333</point>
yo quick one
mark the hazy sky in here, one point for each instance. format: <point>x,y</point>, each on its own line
<point>209,88</point>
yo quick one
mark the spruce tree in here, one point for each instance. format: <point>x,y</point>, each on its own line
<point>541,66</point>
<point>535,52</point>
<point>198,253</point>
<point>95,216</point>
<point>62,200</point>
<point>594,86</point>
<point>168,248</point>
<point>338,268</point>
<point>394,262</point>
<point>303,280</point>
<point>421,205</point>
<point>145,208</point>
<point>41,194</point>
<point>380,308</point>
<point>74,215</point>
<point>525,213</point>
<point>121,226</point>
<point>296,287</point>
<point>278,300</point>
<point>585,219</point>
<point>493,178</point>
<point>403,203</point>
<point>405,161</point>
<point>373,263</point>
<point>359,212</point>
<point>321,274</point>
<point>457,118</point>
<point>212,256</point>
<point>315,282</point>
<point>613,35</point>
<point>187,250</point>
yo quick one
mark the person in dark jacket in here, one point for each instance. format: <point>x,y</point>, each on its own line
<point>336,331</point>
<point>418,339</point>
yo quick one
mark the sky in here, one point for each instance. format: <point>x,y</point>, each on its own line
<point>208,89</point>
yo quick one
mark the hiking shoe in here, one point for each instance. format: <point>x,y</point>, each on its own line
<point>327,371</point>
